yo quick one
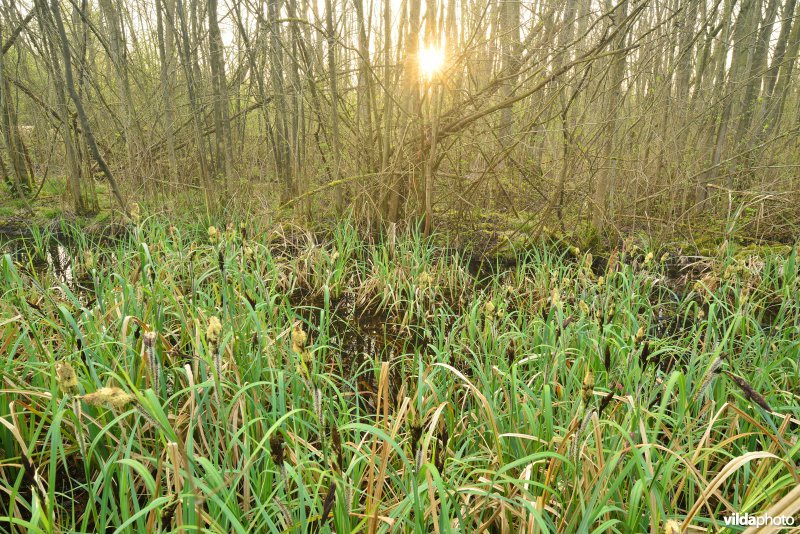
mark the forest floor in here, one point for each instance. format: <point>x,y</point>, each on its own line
<point>267,378</point>
<point>477,231</point>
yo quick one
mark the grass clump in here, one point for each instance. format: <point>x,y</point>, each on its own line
<point>245,379</point>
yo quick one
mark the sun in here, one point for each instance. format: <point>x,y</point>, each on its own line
<point>431,61</point>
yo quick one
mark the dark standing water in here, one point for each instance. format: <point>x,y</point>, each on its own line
<point>53,257</point>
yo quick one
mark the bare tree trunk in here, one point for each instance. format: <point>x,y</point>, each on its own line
<point>685,57</point>
<point>278,87</point>
<point>780,72</point>
<point>297,145</point>
<point>21,176</point>
<point>12,38</point>
<point>258,75</point>
<point>85,126</point>
<point>413,107</point>
<point>743,61</point>
<point>758,65</point>
<point>196,112</point>
<point>399,182</point>
<point>562,51</point>
<point>364,90</point>
<point>330,31</point>
<point>510,42</point>
<point>219,84</point>
<point>388,109</point>
<point>82,199</point>
<point>119,62</point>
<point>607,176</point>
<point>166,38</point>
<point>720,125</point>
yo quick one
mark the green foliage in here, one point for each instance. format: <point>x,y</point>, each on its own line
<point>398,384</point>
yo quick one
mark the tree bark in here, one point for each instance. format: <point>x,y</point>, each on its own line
<point>607,177</point>
<point>84,119</point>
<point>166,39</point>
<point>219,84</point>
<point>21,175</point>
<point>189,71</point>
<point>330,30</point>
<point>282,137</point>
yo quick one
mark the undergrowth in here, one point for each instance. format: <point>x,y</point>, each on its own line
<point>185,379</point>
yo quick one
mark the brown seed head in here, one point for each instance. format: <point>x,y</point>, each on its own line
<point>135,212</point>
<point>114,396</point>
<point>276,449</point>
<point>299,338</point>
<point>149,339</point>
<point>213,234</point>
<point>588,386</point>
<point>214,330</point>
<point>66,377</point>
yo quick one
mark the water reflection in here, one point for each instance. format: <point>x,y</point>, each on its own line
<point>59,261</point>
<point>51,259</point>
